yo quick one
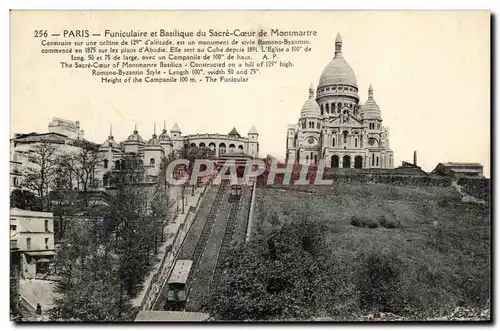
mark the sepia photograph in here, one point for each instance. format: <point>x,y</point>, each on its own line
<point>250,166</point>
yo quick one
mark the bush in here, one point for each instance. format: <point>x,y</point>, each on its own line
<point>390,224</point>
<point>363,222</point>
<point>387,223</point>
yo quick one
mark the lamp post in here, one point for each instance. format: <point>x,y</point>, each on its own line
<point>183,188</point>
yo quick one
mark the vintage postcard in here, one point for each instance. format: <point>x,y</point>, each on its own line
<point>250,166</point>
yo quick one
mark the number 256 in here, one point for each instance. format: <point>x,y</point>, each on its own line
<point>41,33</point>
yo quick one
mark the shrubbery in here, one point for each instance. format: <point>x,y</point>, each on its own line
<point>368,222</point>
<point>364,222</point>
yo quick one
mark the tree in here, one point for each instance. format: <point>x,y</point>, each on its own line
<point>89,286</point>
<point>81,167</point>
<point>38,177</point>
<point>24,199</point>
<point>105,253</point>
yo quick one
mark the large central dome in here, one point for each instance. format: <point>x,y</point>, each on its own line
<point>338,71</point>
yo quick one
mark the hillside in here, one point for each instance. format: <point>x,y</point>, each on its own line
<point>418,252</point>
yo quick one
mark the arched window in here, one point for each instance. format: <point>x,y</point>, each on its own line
<point>335,161</point>
<point>333,108</point>
<point>345,137</point>
<point>202,145</point>
<point>339,106</point>
<point>231,148</point>
<point>356,142</point>
<point>373,159</point>
<point>327,109</point>
<point>106,163</point>
<point>240,148</point>
<point>333,142</point>
<point>358,162</point>
<point>152,161</point>
<point>222,149</point>
<point>192,145</point>
<point>377,161</point>
<point>211,146</point>
<point>321,107</point>
<point>346,161</point>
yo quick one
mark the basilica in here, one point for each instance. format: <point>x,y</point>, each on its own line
<point>336,127</point>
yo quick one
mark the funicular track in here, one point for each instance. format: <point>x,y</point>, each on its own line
<point>202,240</point>
<point>226,240</point>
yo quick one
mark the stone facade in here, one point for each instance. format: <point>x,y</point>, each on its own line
<point>334,126</point>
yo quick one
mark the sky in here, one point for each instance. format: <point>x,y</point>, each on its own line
<point>430,72</point>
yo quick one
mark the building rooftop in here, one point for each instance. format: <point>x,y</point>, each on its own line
<point>461,164</point>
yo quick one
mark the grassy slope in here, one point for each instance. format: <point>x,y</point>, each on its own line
<point>443,244</point>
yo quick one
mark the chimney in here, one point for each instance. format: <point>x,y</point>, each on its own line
<point>415,158</point>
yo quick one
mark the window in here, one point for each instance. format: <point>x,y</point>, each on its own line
<point>315,159</point>
<point>321,109</point>
<point>377,161</point>
<point>317,125</point>
<point>152,161</point>
<point>46,243</point>
<point>105,163</point>
<point>303,125</point>
<point>333,142</point>
<point>307,158</point>
<point>339,105</point>
<point>13,227</point>
<point>327,108</point>
<point>373,159</point>
<point>333,108</point>
<point>356,142</point>
<point>46,225</point>
<point>28,244</point>
<point>345,137</point>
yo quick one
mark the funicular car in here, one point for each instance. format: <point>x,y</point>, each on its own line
<point>235,192</point>
<point>177,287</point>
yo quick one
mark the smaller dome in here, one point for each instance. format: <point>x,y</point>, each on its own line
<point>110,142</point>
<point>370,110</point>
<point>310,107</point>
<point>135,137</point>
<point>154,141</point>
<point>164,138</point>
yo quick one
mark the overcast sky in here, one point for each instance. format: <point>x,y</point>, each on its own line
<point>430,72</point>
